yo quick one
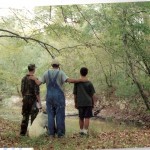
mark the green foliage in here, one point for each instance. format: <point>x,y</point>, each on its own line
<point>106,38</point>
<point>125,87</point>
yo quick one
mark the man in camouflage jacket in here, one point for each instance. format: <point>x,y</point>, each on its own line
<point>31,95</point>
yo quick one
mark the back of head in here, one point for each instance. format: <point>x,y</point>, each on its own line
<point>55,63</point>
<point>83,71</point>
<point>31,67</point>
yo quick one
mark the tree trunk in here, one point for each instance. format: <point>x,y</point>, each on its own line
<point>125,43</point>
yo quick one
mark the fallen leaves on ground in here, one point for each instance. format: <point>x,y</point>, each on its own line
<point>9,137</point>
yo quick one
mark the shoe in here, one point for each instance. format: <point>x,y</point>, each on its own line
<point>22,135</point>
<point>61,136</point>
<point>51,138</point>
<point>81,133</point>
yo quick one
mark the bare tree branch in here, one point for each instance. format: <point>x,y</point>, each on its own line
<point>88,22</point>
<point>50,12</point>
<point>18,20</point>
<point>62,11</point>
<point>27,39</point>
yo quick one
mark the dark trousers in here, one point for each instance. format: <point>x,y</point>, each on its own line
<point>28,109</point>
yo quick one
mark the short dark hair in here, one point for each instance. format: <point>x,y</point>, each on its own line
<point>83,71</point>
<point>31,67</point>
<point>55,65</point>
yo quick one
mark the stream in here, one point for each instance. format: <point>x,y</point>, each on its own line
<point>10,109</point>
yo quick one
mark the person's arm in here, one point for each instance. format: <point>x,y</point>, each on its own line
<point>75,95</point>
<point>37,94</point>
<point>93,100</point>
<point>23,82</point>
<point>70,80</point>
<point>39,102</point>
<point>65,78</point>
<point>22,87</point>
<point>75,101</point>
<point>38,82</point>
<point>92,93</point>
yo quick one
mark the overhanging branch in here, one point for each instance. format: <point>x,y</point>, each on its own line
<point>27,39</point>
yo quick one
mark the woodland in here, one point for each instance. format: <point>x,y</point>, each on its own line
<point>111,40</point>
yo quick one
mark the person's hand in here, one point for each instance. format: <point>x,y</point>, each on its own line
<point>76,106</point>
<point>93,106</point>
<point>32,77</point>
<point>40,109</point>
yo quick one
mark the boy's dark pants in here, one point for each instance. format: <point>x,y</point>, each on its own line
<point>28,109</point>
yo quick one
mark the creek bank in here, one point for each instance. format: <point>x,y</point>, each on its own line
<point>141,119</point>
<point>113,114</point>
<point>107,113</point>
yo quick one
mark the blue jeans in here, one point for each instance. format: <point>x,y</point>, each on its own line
<point>55,102</point>
<point>57,112</point>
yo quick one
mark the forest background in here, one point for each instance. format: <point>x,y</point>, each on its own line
<point>111,40</point>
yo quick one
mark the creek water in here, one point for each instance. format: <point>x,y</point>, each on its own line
<point>10,109</point>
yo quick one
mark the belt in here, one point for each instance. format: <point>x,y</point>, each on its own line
<point>29,95</point>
